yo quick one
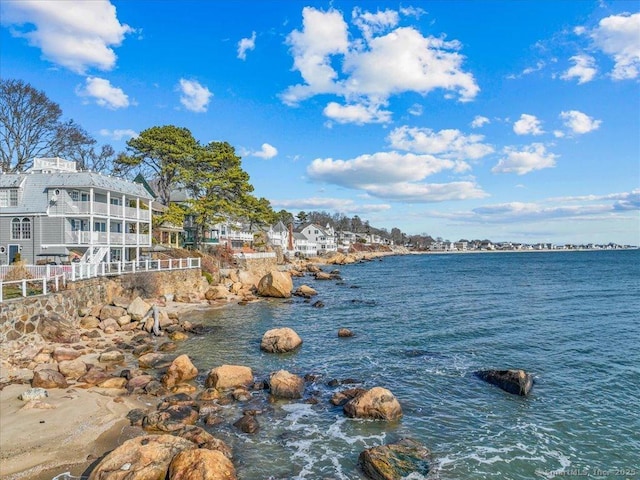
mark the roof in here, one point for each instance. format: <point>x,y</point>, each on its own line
<point>36,184</point>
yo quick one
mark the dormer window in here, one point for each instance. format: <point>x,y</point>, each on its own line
<point>8,197</point>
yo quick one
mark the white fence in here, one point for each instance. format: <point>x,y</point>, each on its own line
<point>45,277</point>
<point>255,255</point>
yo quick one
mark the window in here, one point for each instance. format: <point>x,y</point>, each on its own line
<point>20,229</point>
<point>75,195</point>
<point>100,227</point>
<point>84,197</point>
<point>9,197</point>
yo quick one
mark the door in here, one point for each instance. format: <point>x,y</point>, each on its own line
<point>13,250</point>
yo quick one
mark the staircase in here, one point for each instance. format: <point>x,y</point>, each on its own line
<point>94,255</point>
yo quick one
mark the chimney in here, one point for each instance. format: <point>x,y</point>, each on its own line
<point>290,246</point>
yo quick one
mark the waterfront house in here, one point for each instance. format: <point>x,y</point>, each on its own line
<point>55,212</point>
<point>324,237</point>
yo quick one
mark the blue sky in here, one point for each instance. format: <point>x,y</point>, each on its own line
<point>461,119</point>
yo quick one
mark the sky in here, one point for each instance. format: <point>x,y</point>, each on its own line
<point>507,120</point>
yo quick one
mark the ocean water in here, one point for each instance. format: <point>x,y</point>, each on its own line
<point>423,324</point>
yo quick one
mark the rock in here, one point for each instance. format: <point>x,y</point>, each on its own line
<point>140,350</point>
<point>72,369</point>
<point>241,394</point>
<point>155,360</point>
<point>111,356</point>
<point>48,379</point>
<point>345,332</point>
<point>138,308</point>
<point>61,354</point>
<point>247,424</point>
<point>167,347</point>
<point>340,398</point>
<point>323,276</point>
<point>305,291</point>
<point>140,381</point>
<point>275,284</point>
<point>89,322</point>
<point>37,404</point>
<point>33,394</point>
<point>120,301</point>
<point>395,461</point>
<point>141,458</point>
<point>377,403</point>
<point>286,385</point>
<point>280,340</point>
<point>155,388</point>
<point>109,324</point>
<point>219,292</point>
<point>113,382</point>
<point>229,376</point>
<point>204,439</point>
<point>209,394</point>
<point>110,311</point>
<point>171,418</point>
<point>200,464</point>
<point>517,382</point>
<point>318,304</point>
<point>178,336</point>
<point>54,328</point>
<point>136,416</point>
<point>180,370</point>
<point>177,399</point>
<point>124,320</point>
<point>94,376</point>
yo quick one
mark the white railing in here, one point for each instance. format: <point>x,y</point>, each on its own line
<point>106,238</point>
<point>81,271</point>
<point>50,277</point>
<point>32,286</point>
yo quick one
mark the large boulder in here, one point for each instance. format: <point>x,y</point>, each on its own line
<point>204,439</point>
<point>395,461</point>
<point>229,376</point>
<point>275,284</point>
<point>286,385</point>
<point>517,382</point>
<point>141,458</point>
<point>280,340</point>
<point>180,370</point>
<point>217,292</point>
<point>305,291</point>
<point>60,354</point>
<point>138,308</point>
<point>111,311</point>
<point>201,464</point>
<point>47,378</point>
<point>170,419</point>
<point>377,403</point>
<point>72,369</point>
<point>54,328</point>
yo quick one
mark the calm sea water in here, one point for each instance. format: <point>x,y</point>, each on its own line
<point>422,325</point>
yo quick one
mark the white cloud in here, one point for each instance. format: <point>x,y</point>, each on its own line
<point>118,134</point>
<point>448,143</point>
<point>358,113</point>
<point>194,97</point>
<point>584,69</point>
<point>75,34</point>
<point>340,205</point>
<point>579,122</point>
<point>617,36</point>
<point>246,44</point>
<point>528,125</point>
<point>394,176</point>
<point>267,152</point>
<point>104,93</point>
<point>530,158</point>
<point>416,110</point>
<point>479,121</point>
<point>386,61</point>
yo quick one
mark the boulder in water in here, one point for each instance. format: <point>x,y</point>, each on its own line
<point>395,461</point>
<point>280,340</point>
<point>377,403</point>
<point>517,382</point>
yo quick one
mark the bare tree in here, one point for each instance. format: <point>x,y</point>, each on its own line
<point>31,126</point>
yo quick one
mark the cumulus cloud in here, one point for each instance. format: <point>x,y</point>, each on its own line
<point>104,94</point>
<point>579,122</point>
<point>617,36</point>
<point>119,133</point>
<point>358,113</point>
<point>479,121</point>
<point>449,143</point>
<point>246,44</point>
<point>387,60</point>
<point>584,69</point>
<point>75,34</point>
<point>194,97</point>
<point>530,158</point>
<point>267,152</point>
<point>528,125</point>
<point>393,176</point>
<point>341,205</point>
<point>416,110</point>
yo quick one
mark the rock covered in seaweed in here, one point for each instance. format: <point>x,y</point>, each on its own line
<point>395,461</point>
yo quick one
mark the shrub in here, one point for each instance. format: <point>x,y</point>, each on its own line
<point>208,276</point>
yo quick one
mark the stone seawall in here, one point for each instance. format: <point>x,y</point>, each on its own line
<point>19,317</point>
<point>257,266</point>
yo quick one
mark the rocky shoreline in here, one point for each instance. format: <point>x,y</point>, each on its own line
<point>101,380</point>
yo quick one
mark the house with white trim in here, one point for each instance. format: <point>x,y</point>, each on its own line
<point>324,237</point>
<point>54,210</point>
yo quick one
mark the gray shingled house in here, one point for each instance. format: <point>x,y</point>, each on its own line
<point>55,212</point>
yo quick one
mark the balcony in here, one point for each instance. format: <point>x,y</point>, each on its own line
<point>106,238</point>
<point>73,208</point>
